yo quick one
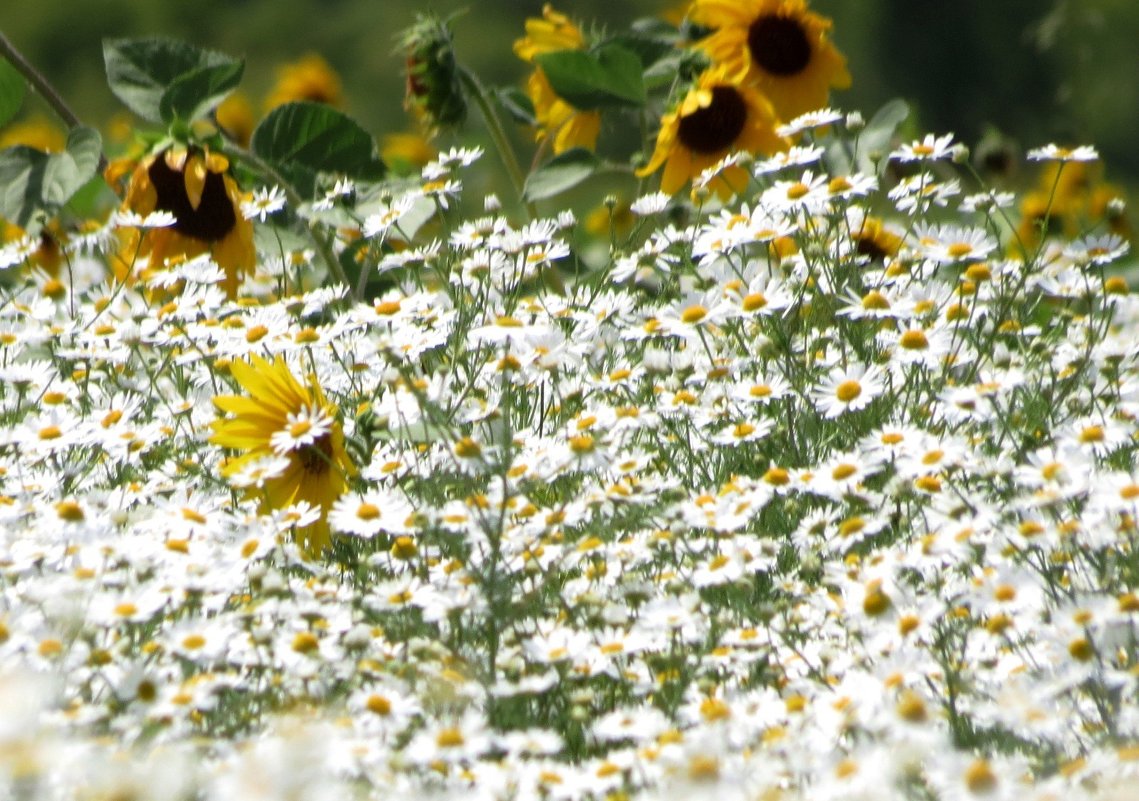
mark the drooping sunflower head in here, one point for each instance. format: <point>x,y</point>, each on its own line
<point>434,92</point>
<point>715,118</point>
<point>280,417</point>
<point>197,189</point>
<point>567,126</point>
<point>777,45</point>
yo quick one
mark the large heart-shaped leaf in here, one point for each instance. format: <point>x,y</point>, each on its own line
<point>317,138</point>
<point>141,71</point>
<point>32,180</point>
<point>196,93</point>
<point>610,76</point>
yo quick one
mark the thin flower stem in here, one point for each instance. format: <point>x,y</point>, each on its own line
<point>41,85</point>
<point>322,242</point>
<point>498,136</point>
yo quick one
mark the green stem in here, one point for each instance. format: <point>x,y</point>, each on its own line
<point>40,84</point>
<point>322,242</point>
<point>498,136</point>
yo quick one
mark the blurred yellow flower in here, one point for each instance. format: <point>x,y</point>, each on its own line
<point>36,131</point>
<point>309,78</point>
<point>278,417</point>
<point>776,45</point>
<point>406,151</point>
<point>235,117</point>
<point>567,126</point>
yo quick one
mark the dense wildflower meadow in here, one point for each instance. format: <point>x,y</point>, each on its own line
<point>807,472</point>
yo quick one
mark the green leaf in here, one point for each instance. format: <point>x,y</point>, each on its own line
<point>32,180</point>
<point>648,46</point>
<point>662,73</point>
<point>21,183</point>
<point>610,76</point>
<point>13,87</point>
<point>516,104</point>
<point>196,93</point>
<point>67,172</point>
<point>317,138</point>
<point>560,173</point>
<point>140,71</point>
<point>876,137</point>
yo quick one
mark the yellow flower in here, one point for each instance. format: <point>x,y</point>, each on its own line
<point>407,151</point>
<point>271,420</point>
<point>37,131</point>
<point>569,127</point>
<point>310,78</point>
<point>235,117</point>
<point>875,240</point>
<point>717,117</point>
<point>778,46</point>
<point>197,188</point>
<point>49,255</point>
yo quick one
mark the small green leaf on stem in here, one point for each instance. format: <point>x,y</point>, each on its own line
<point>13,87</point>
<point>560,174</point>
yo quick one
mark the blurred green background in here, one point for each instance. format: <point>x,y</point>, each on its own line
<point>1036,70</point>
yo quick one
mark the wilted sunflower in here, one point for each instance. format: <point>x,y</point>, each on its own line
<point>777,45</point>
<point>197,188</point>
<point>569,126</point>
<point>715,118</point>
<point>281,418</point>
<point>434,92</point>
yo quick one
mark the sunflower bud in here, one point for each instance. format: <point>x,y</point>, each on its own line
<point>434,91</point>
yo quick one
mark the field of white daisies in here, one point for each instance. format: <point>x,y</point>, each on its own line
<point>808,476</point>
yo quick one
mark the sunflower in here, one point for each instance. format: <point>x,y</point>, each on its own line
<point>875,240</point>
<point>715,118</point>
<point>197,189</point>
<point>569,126</point>
<point>235,116</point>
<point>310,78</point>
<point>777,45</point>
<point>278,417</point>
<point>434,90</point>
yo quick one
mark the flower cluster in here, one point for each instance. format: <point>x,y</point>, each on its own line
<point>827,490</point>
<point>772,63</point>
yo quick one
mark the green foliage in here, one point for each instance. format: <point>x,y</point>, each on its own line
<point>12,91</point>
<point>141,73</point>
<point>561,173</point>
<point>32,181</point>
<point>307,138</point>
<point>196,93</point>
<point>609,77</point>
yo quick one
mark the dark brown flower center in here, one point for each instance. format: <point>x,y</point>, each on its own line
<point>316,457</point>
<point>870,246</point>
<point>214,217</point>
<point>779,45</point>
<point>715,127</point>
